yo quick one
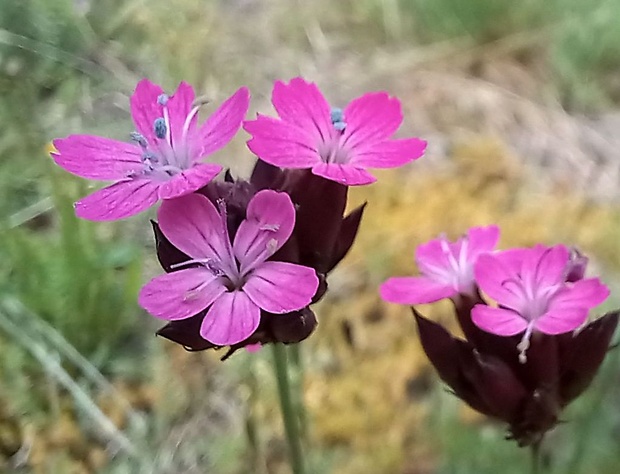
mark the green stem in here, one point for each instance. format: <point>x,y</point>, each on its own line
<point>536,464</point>
<point>287,408</point>
<point>257,461</point>
<point>297,364</point>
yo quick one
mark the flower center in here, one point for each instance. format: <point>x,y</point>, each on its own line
<point>460,272</point>
<point>169,155</point>
<point>332,148</point>
<point>534,302</point>
<point>331,151</point>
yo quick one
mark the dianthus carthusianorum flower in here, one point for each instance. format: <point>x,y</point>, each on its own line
<point>543,304</point>
<point>337,144</point>
<point>447,268</point>
<point>322,236</point>
<point>163,160</point>
<point>532,292</point>
<point>232,280</point>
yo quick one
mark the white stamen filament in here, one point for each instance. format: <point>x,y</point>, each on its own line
<point>228,261</point>
<point>524,345</point>
<point>463,253</point>
<point>168,130</point>
<point>455,275</point>
<point>195,292</point>
<point>188,120</point>
<point>272,246</point>
<point>201,261</point>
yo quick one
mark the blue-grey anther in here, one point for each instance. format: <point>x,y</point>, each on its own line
<point>149,157</point>
<point>337,117</point>
<point>139,139</point>
<point>160,127</point>
<point>162,99</point>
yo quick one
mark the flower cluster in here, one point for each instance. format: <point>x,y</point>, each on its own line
<point>531,353</point>
<point>244,259</point>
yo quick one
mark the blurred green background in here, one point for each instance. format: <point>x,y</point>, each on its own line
<point>519,102</point>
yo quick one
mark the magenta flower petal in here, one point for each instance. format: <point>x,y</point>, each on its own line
<point>232,285</point>
<point>447,268</point>
<point>512,259</point>
<point>439,258</point>
<point>502,322</point>
<point>433,258</point>
<point>301,103</point>
<point>482,239</point>
<point>193,225</point>
<point>106,159</point>
<point>530,285</point>
<point>118,201</point>
<point>415,290</point>
<point>180,119</point>
<point>561,321</point>
<point>165,151</point>
<point>349,175</point>
<point>189,180</point>
<point>224,123</point>
<point>231,319</point>
<point>372,118</point>
<point>546,266</point>
<point>389,154</point>
<point>180,294</point>
<point>279,287</point>
<point>268,225</point>
<point>337,145</point>
<point>492,277</point>
<point>145,108</point>
<point>281,144</point>
<point>586,293</point>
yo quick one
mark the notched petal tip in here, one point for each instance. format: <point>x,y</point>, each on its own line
<point>344,174</point>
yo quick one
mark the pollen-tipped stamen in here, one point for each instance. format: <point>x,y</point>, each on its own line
<point>139,139</point>
<point>228,261</point>
<point>337,118</point>
<point>524,345</point>
<point>162,99</point>
<point>160,127</point>
<point>209,263</point>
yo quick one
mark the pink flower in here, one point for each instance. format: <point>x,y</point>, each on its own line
<point>446,267</point>
<point>233,282</point>
<point>163,160</point>
<point>336,144</point>
<point>530,287</point>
